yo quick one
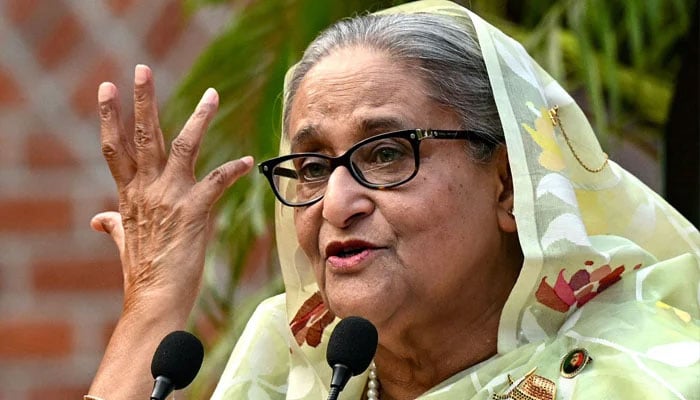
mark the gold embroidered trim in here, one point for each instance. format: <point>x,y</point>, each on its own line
<point>529,387</point>
<point>554,117</point>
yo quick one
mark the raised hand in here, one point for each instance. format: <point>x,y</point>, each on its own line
<point>164,214</point>
<point>164,210</point>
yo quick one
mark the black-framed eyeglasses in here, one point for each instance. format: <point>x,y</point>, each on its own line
<point>379,162</point>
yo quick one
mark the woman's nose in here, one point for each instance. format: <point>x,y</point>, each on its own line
<point>345,199</point>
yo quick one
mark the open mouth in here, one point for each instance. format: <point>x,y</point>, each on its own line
<point>347,249</point>
<point>350,252</point>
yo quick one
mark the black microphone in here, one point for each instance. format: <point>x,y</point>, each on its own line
<point>350,350</point>
<point>175,363</point>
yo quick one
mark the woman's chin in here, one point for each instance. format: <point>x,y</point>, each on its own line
<point>367,304</point>
<point>370,295</point>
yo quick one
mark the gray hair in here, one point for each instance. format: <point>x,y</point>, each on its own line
<point>444,52</point>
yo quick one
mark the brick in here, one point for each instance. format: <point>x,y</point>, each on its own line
<point>20,11</point>
<point>25,215</point>
<point>208,328</point>
<point>38,338</point>
<point>166,29</point>
<point>84,98</point>
<point>46,150</point>
<point>40,25</point>
<point>54,275</point>
<point>111,203</point>
<point>65,36</point>
<point>61,392</point>
<point>255,267</point>
<point>10,93</point>
<point>119,7</point>
<point>107,331</point>
<point>7,153</point>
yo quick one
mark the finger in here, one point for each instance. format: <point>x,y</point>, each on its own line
<point>113,136</point>
<point>110,222</point>
<point>209,189</point>
<point>148,139</point>
<point>185,147</point>
<point>105,221</point>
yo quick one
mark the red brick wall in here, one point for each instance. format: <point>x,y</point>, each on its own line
<point>60,282</point>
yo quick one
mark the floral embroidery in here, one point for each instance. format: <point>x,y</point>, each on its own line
<point>310,321</point>
<point>543,134</point>
<point>683,315</point>
<point>580,289</point>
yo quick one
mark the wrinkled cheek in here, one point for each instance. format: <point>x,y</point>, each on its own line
<point>307,234</point>
<point>307,231</point>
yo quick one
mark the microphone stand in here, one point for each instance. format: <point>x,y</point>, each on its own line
<point>162,387</point>
<point>341,376</point>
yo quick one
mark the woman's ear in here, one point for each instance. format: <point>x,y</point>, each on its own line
<point>505,195</point>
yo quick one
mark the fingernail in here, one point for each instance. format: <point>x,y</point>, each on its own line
<point>141,74</point>
<point>247,160</point>
<point>105,91</point>
<point>210,96</point>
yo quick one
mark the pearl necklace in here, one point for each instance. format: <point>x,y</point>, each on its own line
<point>373,383</point>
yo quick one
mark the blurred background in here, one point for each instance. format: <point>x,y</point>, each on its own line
<point>631,64</point>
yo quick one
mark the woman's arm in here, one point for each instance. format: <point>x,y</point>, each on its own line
<point>160,229</point>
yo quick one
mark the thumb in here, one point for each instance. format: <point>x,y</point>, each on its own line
<point>110,222</point>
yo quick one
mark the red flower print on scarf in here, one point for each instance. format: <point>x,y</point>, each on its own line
<point>310,321</point>
<point>580,289</point>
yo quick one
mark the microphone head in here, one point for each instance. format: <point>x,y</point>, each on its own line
<point>353,344</point>
<point>178,358</point>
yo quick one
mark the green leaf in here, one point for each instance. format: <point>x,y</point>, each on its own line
<point>634,31</point>
<point>589,71</point>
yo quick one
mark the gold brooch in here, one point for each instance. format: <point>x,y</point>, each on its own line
<point>529,387</point>
<point>574,362</point>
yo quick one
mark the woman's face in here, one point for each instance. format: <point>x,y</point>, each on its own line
<point>417,252</point>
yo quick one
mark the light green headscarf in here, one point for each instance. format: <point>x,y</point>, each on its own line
<point>591,234</point>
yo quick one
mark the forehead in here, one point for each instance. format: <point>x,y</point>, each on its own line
<point>355,91</point>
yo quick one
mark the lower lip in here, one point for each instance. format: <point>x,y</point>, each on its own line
<point>349,264</point>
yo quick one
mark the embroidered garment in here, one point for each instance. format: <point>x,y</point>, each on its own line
<point>609,267</point>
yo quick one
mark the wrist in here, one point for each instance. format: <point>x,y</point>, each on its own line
<point>158,305</point>
<point>125,369</point>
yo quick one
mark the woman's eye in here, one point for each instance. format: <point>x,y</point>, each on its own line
<point>313,171</point>
<point>386,154</point>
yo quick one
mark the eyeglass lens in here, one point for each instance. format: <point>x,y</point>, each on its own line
<point>379,162</point>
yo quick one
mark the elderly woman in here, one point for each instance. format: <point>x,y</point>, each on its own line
<point>435,181</point>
